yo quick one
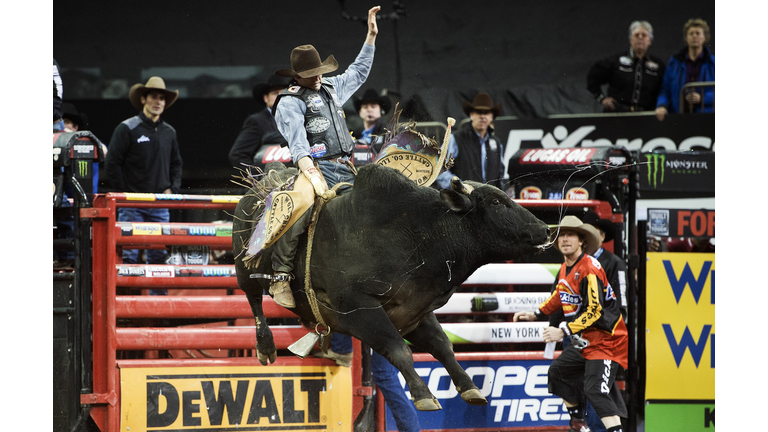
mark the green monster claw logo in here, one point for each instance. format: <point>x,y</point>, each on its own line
<point>655,168</point>
<point>82,168</point>
<point>478,303</point>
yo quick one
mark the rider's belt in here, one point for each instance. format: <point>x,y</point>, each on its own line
<point>339,159</point>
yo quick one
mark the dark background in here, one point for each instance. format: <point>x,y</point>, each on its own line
<point>532,56</point>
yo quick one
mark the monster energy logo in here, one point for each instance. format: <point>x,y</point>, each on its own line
<point>82,168</point>
<point>655,168</point>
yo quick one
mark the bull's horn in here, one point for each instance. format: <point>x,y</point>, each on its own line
<point>459,186</point>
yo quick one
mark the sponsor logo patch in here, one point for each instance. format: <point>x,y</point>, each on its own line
<point>530,192</point>
<point>318,150</point>
<point>318,125</point>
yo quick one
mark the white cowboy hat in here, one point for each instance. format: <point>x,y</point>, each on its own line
<point>571,223</point>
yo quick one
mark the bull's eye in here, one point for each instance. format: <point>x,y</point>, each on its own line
<point>495,201</point>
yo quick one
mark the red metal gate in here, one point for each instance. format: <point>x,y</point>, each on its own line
<point>117,298</point>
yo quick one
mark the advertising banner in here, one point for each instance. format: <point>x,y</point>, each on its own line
<point>681,223</point>
<point>516,393</point>
<point>287,398</point>
<point>636,132</point>
<point>680,339</point>
<point>682,173</point>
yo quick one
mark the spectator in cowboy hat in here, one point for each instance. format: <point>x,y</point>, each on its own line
<point>256,126</point>
<point>73,120</point>
<point>476,151</point>
<point>587,309</point>
<point>144,157</point>
<point>371,107</point>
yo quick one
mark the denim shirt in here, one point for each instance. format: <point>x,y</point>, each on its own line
<point>289,115</point>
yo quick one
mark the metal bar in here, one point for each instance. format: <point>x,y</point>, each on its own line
<point>178,205</point>
<point>681,106</point>
<point>225,307</point>
<point>164,199</point>
<point>632,381</point>
<point>224,361</point>
<point>151,338</point>
<point>506,274</point>
<point>177,282</point>
<point>98,306</point>
<point>166,240</point>
<point>500,355</point>
<point>559,203</point>
<point>110,324</point>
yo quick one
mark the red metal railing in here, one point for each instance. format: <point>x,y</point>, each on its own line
<point>108,307</point>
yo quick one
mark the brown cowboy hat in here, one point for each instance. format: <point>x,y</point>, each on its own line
<point>153,83</point>
<point>370,96</point>
<point>305,63</point>
<point>571,223</point>
<point>482,102</point>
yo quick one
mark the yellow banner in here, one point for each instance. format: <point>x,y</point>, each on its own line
<point>680,333</point>
<point>288,398</point>
<point>148,228</point>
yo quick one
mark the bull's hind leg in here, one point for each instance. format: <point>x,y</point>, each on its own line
<point>373,327</point>
<point>429,336</point>
<point>265,344</point>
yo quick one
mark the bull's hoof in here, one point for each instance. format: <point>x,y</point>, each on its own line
<point>265,359</point>
<point>474,397</point>
<point>428,405</point>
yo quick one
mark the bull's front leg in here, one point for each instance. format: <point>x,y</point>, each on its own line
<point>430,337</point>
<point>372,326</point>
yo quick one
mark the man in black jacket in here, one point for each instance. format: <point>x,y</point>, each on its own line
<point>615,268</point>
<point>478,153</point>
<point>634,77</point>
<point>251,136</point>
<point>144,157</point>
<point>371,107</point>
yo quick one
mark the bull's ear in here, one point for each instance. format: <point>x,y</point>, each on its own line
<point>456,201</point>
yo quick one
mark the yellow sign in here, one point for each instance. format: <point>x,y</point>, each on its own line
<point>680,334</point>
<point>288,398</point>
<point>149,228</point>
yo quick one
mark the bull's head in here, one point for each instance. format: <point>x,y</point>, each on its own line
<point>504,229</point>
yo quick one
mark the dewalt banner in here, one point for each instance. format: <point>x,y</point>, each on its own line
<point>243,398</point>
<point>680,339</point>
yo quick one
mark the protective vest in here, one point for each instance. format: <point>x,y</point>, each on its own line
<point>324,121</point>
<point>468,166</point>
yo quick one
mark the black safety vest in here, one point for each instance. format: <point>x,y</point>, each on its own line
<point>324,121</point>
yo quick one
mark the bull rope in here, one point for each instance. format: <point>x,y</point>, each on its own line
<point>319,203</point>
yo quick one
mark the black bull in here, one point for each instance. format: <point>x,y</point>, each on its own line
<point>387,254</point>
